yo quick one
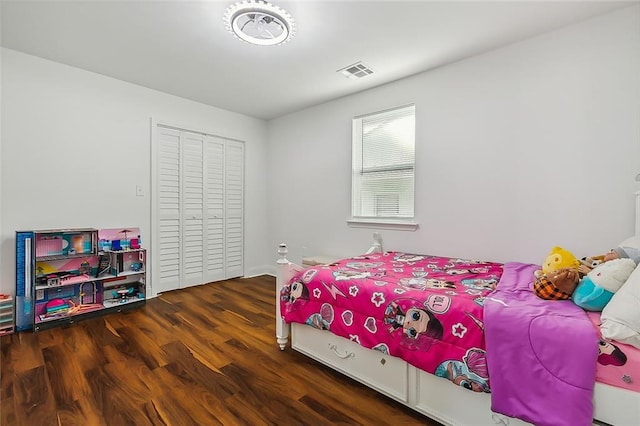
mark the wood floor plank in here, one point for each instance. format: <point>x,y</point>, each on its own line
<point>167,410</point>
<point>205,341</point>
<point>116,405</point>
<point>153,326</point>
<point>7,411</point>
<point>33,404</point>
<point>204,355</point>
<point>101,331</point>
<point>206,407</point>
<point>26,353</point>
<point>80,414</point>
<point>188,368</point>
<point>141,346</point>
<point>66,378</point>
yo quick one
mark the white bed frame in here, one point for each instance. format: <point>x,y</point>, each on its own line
<point>432,396</point>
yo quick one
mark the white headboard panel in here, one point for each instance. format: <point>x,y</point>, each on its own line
<point>637,212</point>
<point>638,204</point>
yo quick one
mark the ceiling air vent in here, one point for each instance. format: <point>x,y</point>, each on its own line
<point>357,70</point>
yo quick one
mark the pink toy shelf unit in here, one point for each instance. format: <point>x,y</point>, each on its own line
<point>127,266</point>
<point>6,314</point>
<point>63,275</point>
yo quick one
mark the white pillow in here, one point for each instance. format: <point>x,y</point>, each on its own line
<point>620,318</point>
<point>631,242</point>
<point>631,246</point>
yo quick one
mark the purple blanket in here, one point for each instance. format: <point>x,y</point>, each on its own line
<point>541,354</point>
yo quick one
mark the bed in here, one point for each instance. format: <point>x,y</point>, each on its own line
<point>466,299</point>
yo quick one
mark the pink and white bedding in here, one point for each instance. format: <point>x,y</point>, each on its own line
<point>461,320</point>
<point>427,310</point>
<point>618,363</point>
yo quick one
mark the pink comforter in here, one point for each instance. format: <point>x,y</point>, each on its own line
<point>426,310</point>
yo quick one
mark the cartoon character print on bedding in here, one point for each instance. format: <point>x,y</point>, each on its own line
<point>470,373</point>
<point>427,310</point>
<point>417,328</point>
<point>610,354</point>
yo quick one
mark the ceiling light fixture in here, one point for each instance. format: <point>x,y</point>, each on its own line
<point>259,22</point>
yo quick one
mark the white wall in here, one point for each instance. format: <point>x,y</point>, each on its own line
<point>75,144</point>
<point>519,149</point>
<point>9,288</point>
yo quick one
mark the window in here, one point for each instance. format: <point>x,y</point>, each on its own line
<point>384,167</point>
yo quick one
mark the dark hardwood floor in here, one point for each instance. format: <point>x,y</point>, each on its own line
<point>205,355</point>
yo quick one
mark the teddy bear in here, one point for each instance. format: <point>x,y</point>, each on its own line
<point>558,285</point>
<point>558,277</point>
<point>597,288</point>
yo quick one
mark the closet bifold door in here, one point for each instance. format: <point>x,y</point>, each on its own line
<point>215,211</point>
<point>192,191</point>
<point>168,232</point>
<point>234,209</point>
<point>199,209</point>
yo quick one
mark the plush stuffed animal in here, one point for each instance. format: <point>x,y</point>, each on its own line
<point>588,263</point>
<point>596,289</point>
<point>559,275</point>
<point>558,285</point>
<point>629,248</point>
<point>558,258</point>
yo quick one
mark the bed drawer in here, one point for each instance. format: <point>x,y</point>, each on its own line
<point>454,405</point>
<point>616,406</point>
<point>381,372</point>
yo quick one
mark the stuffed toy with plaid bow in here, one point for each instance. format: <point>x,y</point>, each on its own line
<point>559,275</point>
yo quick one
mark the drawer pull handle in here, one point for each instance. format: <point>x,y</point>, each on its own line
<point>346,355</point>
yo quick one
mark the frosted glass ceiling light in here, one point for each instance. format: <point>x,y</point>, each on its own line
<point>259,22</point>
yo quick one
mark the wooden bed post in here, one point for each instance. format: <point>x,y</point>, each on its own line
<point>285,270</point>
<point>376,246</point>
<point>282,328</point>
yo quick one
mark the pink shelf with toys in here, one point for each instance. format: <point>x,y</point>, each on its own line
<point>64,275</point>
<point>6,314</point>
<point>124,282</point>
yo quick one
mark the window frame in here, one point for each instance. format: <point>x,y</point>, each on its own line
<point>397,222</point>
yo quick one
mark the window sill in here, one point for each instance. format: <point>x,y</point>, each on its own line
<point>398,225</point>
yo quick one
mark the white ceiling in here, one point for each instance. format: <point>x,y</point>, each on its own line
<point>182,48</point>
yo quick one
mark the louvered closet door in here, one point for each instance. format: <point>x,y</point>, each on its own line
<point>168,245</point>
<point>199,209</point>
<point>192,209</point>
<point>215,211</point>
<point>234,208</point>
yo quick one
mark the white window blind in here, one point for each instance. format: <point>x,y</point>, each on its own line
<point>384,165</point>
